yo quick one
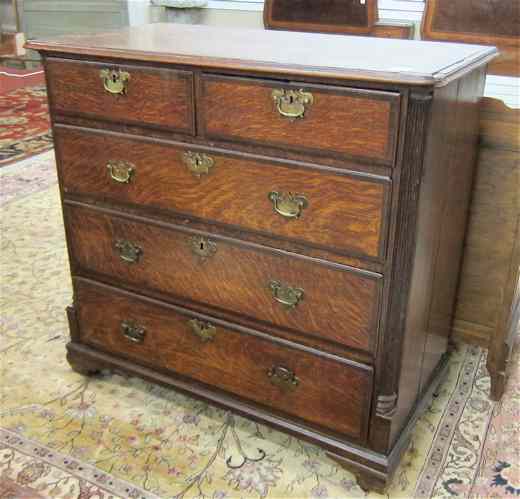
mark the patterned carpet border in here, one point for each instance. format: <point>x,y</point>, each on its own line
<point>24,124</point>
<point>34,462</point>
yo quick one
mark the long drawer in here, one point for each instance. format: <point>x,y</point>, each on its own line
<point>345,212</point>
<point>319,119</point>
<point>288,291</point>
<point>140,95</point>
<point>322,390</point>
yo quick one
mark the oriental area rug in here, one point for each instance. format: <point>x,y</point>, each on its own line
<point>68,437</point>
<point>24,123</point>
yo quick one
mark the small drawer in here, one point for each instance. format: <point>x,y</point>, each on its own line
<point>343,212</point>
<point>326,391</point>
<point>325,120</point>
<point>290,292</point>
<point>138,95</point>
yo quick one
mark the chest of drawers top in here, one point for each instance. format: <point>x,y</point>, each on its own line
<point>272,221</point>
<point>279,53</point>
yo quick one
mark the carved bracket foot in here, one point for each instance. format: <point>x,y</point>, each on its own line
<point>83,366</point>
<point>369,481</point>
<point>498,385</point>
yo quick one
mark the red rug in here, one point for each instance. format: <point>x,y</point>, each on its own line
<point>24,124</point>
<point>13,78</point>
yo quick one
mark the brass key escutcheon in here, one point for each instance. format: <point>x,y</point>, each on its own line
<point>287,204</point>
<point>128,251</point>
<point>121,171</point>
<point>115,81</point>
<point>198,163</point>
<point>283,377</point>
<point>288,296</point>
<point>292,103</point>
<point>202,246</point>
<point>133,332</point>
<point>203,330</point>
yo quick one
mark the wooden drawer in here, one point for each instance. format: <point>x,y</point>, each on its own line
<point>156,97</point>
<point>328,392</point>
<point>345,212</point>
<point>342,122</point>
<point>337,304</point>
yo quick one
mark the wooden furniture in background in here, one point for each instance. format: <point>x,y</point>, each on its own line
<point>488,300</point>
<point>349,17</point>
<point>332,16</point>
<point>491,22</point>
<point>287,250</point>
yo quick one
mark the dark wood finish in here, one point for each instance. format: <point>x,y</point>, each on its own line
<point>487,299</point>
<point>76,87</point>
<point>335,16</point>
<point>461,161</point>
<point>488,22</point>
<point>403,259</point>
<point>392,324</point>
<point>231,361</point>
<point>345,212</point>
<point>449,160</point>
<point>340,305</point>
<point>389,29</point>
<point>355,123</point>
<point>267,153</point>
<point>297,55</point>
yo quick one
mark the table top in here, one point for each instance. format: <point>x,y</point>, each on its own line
<point>281,52</point>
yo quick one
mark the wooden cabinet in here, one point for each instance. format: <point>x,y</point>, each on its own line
<point>271,221</point>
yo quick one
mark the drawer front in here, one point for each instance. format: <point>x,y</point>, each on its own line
<point>332,120</point>
<point>327,392</point>
<point>137,95</point>
<point>342,212</point>
<point>294,293</point>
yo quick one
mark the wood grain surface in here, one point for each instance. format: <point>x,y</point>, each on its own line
<point>336,16</point>
<point>395,29</point>
<point>77,88</point>
<point>330,393</point>
<point>495,211</point>
<point>339,305</point>
<point>344,212</point>
<point>488,297</point>
<point>278,53</point>
<point>340,121</point>
<point>392,123</point>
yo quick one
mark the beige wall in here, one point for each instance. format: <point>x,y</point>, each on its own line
<point>216,17</point>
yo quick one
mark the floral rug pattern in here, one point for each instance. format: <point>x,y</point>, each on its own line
<point>24,124</point>
<point>70,437</point>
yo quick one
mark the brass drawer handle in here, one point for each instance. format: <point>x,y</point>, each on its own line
<point>287,204</point>
<point>115,81</point>
<point>198,164</point>
<point>203,330</point>
<point>133,332</point>
<point>121,171</point>
<point>202,246</point>
<point>128,251</point>
<point>292,103</point>
<point>288,296</point>
<point>283,378</point>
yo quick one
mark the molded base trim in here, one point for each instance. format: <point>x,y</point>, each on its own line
<point>373,471</point>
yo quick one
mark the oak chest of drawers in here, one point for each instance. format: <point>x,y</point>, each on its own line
<point>270,221</point>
